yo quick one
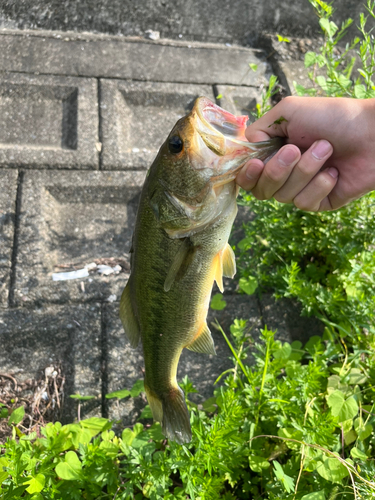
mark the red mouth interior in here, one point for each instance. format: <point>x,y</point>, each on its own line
<point>225,122</point>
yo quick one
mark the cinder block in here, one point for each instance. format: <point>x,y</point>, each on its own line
<point>116,57</point>
<point>138,116</point>
<point>239,100</point>
<point>125,365</point>
<point>69,220</point>
<point>48,121</point>
<point>284,316</point>
<point>66,337</point>
<point>8,183</point>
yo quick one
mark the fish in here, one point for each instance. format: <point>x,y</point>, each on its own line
<point>180,247</point>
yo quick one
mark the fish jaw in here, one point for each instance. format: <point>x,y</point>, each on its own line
<point>219,143</point>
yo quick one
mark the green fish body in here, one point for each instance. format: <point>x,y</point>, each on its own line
<point>180,247</point>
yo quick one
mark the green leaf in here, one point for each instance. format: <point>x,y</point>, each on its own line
<point>146,412</point>
<point>96,425</point>
<point>282,351</point>
<point>121,394</point>
<point>254,67</point>
<point>217,302</point>
<point>220,96</point>
<point>359,93</point>
<point>71,468</point>
<point>17,416</point>
<point>3,474</point>
<point>141,440</point>
<point>291,433</point>
<point>320,80</point>
<point>111,449</point>
<point>127,436</point>
<point>317,495</point>
<point>248,285</point>
<point>81,398</point>
<point>310,59</point>
<point>328,26</point>
<point>342,408</point>
<point>332,470</point>
<point>210,405</point>
<point>4,413</point>
<point>155,432</point>
<point>137,388</point>
<point>363,431</point>
<point>356,453</point>
<point>36,484</point>
<point>258,464</point>
<point>281,38</point>
<point>286,481</point>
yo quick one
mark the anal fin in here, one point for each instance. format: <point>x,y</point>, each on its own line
<point>203,342</point>
<point>229,262</point>
<point>128,319</point>
<point>225,265</point>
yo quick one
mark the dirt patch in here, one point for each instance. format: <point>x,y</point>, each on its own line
<point>42,400</point>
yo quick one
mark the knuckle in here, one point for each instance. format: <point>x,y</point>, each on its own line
<point>260,195</point>
<point>282,198</point>
<point>305,205</point>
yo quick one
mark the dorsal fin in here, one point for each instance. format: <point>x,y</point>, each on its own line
<point>128,319</point>
<point>203,342</point>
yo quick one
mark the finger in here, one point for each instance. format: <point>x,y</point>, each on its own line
<point>309,165</point>
<point>254,135</point>
<point>273,123</point>
<point>314,197</point>
<point>250,173</point>
<point>276,172</point>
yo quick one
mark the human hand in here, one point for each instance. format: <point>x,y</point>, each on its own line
<point>337,164</point>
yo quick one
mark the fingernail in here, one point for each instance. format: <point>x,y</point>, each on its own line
<point>333,172</point>
<point>287,156</point>
<point>321,149</point>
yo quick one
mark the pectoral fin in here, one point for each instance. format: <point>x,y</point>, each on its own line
<point>128,319</point>
<point>180,263</point>
<point>203,342</point>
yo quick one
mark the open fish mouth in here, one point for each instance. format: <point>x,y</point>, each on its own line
<point>224,136</point>
<point>221,120</point>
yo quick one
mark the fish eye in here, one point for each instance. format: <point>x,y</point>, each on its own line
<point>175,144</point>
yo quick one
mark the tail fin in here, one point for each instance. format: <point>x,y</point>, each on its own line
<point>171,411</point>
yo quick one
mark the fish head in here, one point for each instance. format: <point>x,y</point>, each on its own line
<point>192,180</point>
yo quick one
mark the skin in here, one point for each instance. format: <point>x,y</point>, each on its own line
<point>329,158</point>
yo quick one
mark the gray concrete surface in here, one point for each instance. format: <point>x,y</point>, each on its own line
<point>8,183</point>
<point>82,117</point>
<point>68,220</point>
<point>66,337</point>
<point>136,59</point>
<point>219,20</point>
<point>138,116</point>
<point>48,121</point>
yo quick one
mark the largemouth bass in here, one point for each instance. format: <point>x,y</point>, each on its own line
<point>180,247</point>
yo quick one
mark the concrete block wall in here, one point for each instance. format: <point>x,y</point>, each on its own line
<point>82,117</point>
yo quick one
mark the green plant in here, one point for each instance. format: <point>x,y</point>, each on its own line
<point>299,421</point>
<point>332,67</point>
